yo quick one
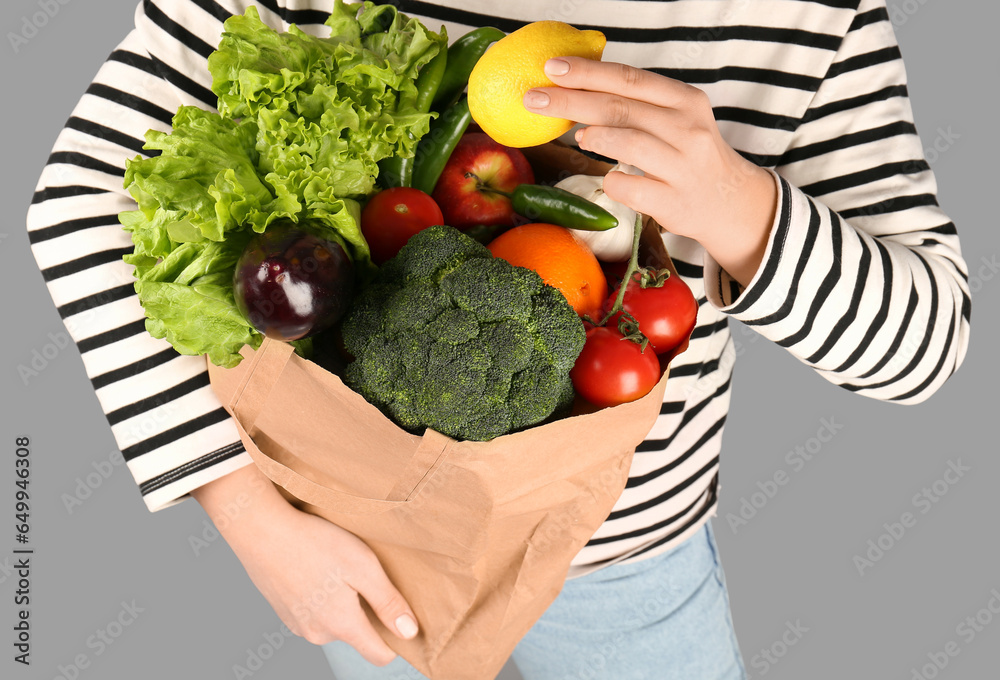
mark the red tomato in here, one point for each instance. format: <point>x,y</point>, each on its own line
<point>612,370</point>
<point>666,315</point>
<point>393,216</point>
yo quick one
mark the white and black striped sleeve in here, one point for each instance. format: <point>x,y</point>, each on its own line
<point>863,277</point>
<point>171,428</point>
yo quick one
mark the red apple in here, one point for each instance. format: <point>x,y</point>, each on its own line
<point>477,165</point>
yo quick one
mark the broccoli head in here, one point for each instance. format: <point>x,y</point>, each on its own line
<point>450,338</point>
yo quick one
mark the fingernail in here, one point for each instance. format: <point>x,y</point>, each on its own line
<point>557,67</point>
<point>406,626</point>
<point>578,135</point>
<point>534,99</point>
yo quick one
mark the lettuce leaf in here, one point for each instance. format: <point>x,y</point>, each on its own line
<point>301,125</point>
<point>327,109</point>
<point>190,302</point>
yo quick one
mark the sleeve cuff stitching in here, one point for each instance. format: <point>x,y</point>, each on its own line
<point>190,467</point>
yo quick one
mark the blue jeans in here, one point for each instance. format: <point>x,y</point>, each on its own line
<point>663,618</point>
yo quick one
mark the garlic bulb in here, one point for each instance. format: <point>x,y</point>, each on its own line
<point>613,245</point>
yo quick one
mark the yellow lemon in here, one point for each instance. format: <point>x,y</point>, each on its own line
<point>514,65</point>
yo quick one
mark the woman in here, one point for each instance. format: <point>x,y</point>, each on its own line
<point>841,256</point>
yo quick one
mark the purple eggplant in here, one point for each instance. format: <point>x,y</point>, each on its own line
<point>291,284</point>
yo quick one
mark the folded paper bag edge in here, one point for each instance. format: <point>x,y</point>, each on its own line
<point>267,364</point>
<point>305,489</point>
<point>310,491</point>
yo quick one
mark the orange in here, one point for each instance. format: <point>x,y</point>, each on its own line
<point>562,259</point>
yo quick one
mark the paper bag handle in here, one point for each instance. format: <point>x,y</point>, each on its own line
<point>266,367</point>
<point>248,401</point>
<point>309,491</point>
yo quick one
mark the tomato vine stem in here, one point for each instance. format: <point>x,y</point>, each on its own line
<point>633,267</point>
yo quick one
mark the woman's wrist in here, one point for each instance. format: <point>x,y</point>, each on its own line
<point>241,504</point>
<point>739,247</point>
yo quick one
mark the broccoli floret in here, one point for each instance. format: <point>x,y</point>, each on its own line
<point>413,307</point>
<point>448,404</point>
<point>366,322</point>
<point>552,329</point>
<point>379,367</point>
<point>510,344</point>
<point>438,253</point>
<point>537,392</point>
<point>449,338</point>
<point>493,289</point>
<point>454,326</point>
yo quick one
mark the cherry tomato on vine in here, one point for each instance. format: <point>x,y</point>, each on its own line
<point>612,370</point>
<point>666,314</point>
<point>393,216</point>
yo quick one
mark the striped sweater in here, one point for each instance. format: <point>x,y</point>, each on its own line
<point>862,280</point>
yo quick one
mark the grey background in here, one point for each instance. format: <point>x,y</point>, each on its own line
<point>793,562</point>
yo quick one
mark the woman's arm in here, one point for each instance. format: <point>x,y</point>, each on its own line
<point>860,274</point>
<point>171,429</point>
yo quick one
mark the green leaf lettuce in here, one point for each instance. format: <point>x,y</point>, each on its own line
<point>301,125</point>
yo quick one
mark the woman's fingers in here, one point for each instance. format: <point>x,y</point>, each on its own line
<point>642,194</point>
<point>363,576</point>
<point>357,631</point>
<point>650,154</point>
<point>385,600</point>
<point>620,79</point>
<point>601,108</point>
<point>336,614</point>
<point>620,96</point>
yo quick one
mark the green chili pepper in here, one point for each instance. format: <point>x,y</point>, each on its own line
<point>462,58</point>
<point>541,203</point>
<point>397,171</point>
<point>429,80</point>
<point>436,146</point>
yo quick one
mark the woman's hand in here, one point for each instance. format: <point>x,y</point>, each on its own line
<point>310,570</point>
<point>695,184</point>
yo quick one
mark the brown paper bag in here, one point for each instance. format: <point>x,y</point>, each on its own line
<point>477,536</point>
